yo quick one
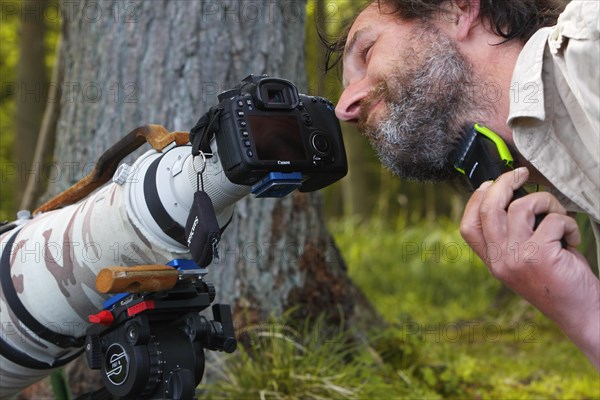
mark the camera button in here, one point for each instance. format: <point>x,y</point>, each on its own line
<point>300,105</point>
<point>240,103</point>
<point>247,143</point>
<point>249,102</point>
<point>250,153</point>
<point>307,119</point>
<point>242,123</point>
<point>244,133</point>
<point>240,113</point>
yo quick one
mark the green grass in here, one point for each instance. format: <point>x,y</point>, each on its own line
<point>448,336</point>
<point>313,363</point>
<point>425,271</point>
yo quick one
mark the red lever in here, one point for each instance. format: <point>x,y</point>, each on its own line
<point>138,308</point>
<point>104,317</point>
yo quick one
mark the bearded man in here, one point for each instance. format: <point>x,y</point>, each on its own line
<point>415,72</point>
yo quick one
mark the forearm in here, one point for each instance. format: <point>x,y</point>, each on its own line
<point>584,329</point>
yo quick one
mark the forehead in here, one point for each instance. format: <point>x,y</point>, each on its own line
<point>373,19</point>
<point>372,14</point>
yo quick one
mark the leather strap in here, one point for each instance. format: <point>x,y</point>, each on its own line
<point>158,137</point>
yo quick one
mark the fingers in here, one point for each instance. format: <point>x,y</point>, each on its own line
<point>522,214</point>
<point>485,219</point>
<point>494,218</point>
<point>470,226</point>
<point>556,226</point>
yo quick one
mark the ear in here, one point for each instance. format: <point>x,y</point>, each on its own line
<point>467,17</point>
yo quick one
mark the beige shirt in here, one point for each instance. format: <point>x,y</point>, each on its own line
<point>555,107</point>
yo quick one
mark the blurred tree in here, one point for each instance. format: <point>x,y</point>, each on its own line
<point>9,56</point>
<point>31,84</point>
<point>358,191</point>
<point>28,37</point>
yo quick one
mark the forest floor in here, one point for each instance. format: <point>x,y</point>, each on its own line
<point>453,333</point>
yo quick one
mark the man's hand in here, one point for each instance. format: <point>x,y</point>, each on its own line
<point>557,281</point>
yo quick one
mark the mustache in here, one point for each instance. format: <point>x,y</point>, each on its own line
<point>380,92</point>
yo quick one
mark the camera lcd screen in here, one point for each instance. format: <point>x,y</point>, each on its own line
<point>277,137</point>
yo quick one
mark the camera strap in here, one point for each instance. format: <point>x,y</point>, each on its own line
<point>202,229</point>
<point>203,132</point>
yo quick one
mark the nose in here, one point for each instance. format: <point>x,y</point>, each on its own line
<point>349,106</point>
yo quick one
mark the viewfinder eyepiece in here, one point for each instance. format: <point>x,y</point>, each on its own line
<point>276,94</point>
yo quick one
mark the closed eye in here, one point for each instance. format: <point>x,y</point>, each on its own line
<point>364,51</point>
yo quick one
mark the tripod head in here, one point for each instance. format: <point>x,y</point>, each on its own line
<point>151,344</point>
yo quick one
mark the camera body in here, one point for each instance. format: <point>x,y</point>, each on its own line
<point>266,126</point>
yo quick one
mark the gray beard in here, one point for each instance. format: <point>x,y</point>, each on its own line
<point>428,104</point>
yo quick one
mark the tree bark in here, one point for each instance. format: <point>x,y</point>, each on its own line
<point>132,63</point>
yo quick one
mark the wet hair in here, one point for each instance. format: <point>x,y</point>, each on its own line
<point>509,19</point>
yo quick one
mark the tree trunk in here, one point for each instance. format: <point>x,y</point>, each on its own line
<point>32,85</point>
<point>132,63</point>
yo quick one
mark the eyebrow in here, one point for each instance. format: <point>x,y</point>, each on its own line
<point>354,39</point>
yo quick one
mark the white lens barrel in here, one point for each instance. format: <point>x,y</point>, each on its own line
<point>49,264</point>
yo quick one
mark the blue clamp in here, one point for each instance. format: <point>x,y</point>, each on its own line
<point>277,184</point>
<point>182,264</point>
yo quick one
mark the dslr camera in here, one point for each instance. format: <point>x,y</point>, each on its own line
<point>276,140</point>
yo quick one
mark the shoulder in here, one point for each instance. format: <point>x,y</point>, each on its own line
<point>580,20</point>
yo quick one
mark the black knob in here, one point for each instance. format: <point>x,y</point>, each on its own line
<point>93,351</point>
<point>180,385</point>
<point>210,289</point>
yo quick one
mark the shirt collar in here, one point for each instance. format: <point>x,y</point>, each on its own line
<point>527,87</point>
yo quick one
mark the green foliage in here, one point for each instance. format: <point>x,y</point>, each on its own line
<point>10,40</point>
<point>60,387</point>
<point>426,263</point>
<point>6,179</point>
<point>283,363</point>
<point>9,56</point>
<point>446,333</point>
<point>445,338</point>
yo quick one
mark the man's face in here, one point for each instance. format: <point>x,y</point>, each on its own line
<point>409,90</point>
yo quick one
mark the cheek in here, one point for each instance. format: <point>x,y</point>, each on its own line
<point>381,68</point>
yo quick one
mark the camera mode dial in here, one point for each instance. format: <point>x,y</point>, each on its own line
<point>320,143</point>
